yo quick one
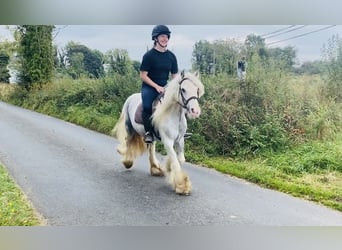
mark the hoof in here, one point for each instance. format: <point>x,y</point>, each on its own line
<point>128,164</point>
<point>183,194</point>
<point>180,182</point>
<point>156,171</point>
<point>183,188</point>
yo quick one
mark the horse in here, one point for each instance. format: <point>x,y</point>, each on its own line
<point>179,102</point>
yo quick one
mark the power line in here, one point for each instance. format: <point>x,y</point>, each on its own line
<point>276,31</point>
<point>57,30</point>
<point>314,31</point>
<point>297,28</point>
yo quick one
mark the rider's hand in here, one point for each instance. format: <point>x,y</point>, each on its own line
<point>160,89</point>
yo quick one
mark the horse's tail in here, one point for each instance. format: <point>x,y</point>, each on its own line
<point>131,143</point>
<point>119,132</point>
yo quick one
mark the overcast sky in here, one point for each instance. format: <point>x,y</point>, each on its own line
<point>136,38</point>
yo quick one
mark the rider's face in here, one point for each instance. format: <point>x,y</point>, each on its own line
<point>163,39</point>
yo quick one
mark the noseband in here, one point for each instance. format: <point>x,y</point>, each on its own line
<point>184,100</point>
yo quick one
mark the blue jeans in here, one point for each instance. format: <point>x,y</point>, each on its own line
<point>148,95</point>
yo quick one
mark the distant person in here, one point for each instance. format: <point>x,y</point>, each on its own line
<point>241,69</point>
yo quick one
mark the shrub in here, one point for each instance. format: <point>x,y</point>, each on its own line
<point>268,112</point>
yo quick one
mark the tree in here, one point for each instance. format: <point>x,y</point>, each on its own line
<point>311,68</point>
<point>332,53</point>
<point>119,62</point>
<point>226,55</point>
<point>203,57</point>
<point>8,54</point>
<point>4,72</point>
<point>287,55</point>
<point>216,57</point>
<point>136,66</point>
<point>35,54</point>
<point>255,44</point>
<point>83,61</point>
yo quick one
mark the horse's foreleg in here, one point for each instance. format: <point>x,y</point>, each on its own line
<point>155,168</point>
<point>179,148</point>
<point>177,177</point>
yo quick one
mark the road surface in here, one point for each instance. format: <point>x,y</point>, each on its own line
<point>73,176</point>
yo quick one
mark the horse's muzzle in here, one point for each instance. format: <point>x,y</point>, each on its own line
<point>194,113</point>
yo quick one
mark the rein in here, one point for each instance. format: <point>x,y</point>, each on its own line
<point>184,100</point>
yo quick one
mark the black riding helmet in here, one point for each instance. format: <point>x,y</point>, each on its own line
<point>160,30</point>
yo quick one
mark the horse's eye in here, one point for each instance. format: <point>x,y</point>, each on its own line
<point>183,90</point>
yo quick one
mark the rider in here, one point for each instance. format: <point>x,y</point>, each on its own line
<point>155,69</point>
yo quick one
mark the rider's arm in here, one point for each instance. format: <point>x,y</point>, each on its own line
<point>174,75</point>
<point>147,80</point>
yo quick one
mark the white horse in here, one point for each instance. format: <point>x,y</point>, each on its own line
<point>169,121</point>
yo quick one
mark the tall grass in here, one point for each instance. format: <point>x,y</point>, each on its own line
<point>5,90</point>
<point>319,117</point>
<point>93,103</point>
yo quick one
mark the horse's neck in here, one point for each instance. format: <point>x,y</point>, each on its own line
<point>168,109</point>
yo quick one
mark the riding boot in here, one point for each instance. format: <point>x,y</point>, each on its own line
<point>148,137</point>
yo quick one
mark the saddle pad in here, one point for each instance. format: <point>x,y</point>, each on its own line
<point>138,114</point>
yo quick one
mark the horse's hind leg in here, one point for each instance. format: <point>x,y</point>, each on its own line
<point>126,159</point>
<point>134,147</point>
<point>120,132</point>
<point>155,168</point>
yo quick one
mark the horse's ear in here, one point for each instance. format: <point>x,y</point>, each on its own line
<point>183,73</point>
<point>197,74</point>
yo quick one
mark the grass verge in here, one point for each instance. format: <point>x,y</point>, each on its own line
<point>311,171</point>
<point>15,209</point>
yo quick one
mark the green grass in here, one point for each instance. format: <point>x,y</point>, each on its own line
<point>15,210</point>
<point>312,171</point>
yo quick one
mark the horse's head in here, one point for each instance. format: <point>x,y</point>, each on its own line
<point>190,90</point>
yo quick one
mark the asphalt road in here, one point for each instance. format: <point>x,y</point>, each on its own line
<point>73,176</point>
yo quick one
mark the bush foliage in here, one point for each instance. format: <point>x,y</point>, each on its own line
<point>268,112</point>
<point>93,103</point>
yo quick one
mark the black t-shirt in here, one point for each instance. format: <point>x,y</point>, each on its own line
<point>159,65</point>
<point>241,65</point>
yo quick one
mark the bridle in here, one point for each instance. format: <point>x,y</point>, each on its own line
<point>184,100</point>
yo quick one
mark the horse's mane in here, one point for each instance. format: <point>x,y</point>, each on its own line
<point>172,92</point>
